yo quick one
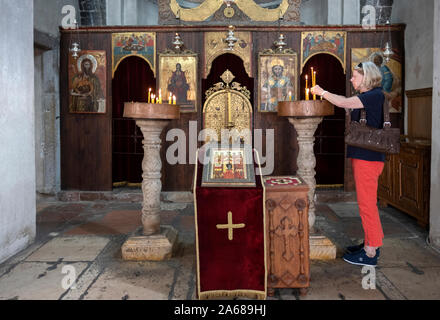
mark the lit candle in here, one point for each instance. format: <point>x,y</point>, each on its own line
<point>314,83</point>
<point>290,95</point>
<point>174,100</point>
<point>149,95</point>
<point>307,81</point>
<point>307,94</point>
<point>157,100</point>
<point>152,98</point>
<point>160,96</point>
<point>170,98</point>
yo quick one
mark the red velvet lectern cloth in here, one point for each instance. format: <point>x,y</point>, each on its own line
<point>237,267</point>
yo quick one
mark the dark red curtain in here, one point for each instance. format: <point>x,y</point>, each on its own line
<point>329,143</point>
<point>131,82</point>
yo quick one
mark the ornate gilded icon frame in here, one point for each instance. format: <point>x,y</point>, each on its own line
<point>228,166</point>
<point>274,88</point>
<point>168,77</point>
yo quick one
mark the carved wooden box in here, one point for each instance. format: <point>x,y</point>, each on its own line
<point>287,233</point>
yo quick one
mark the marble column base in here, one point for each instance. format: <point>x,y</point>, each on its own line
<point>321,248</point>
<point>157,247</point>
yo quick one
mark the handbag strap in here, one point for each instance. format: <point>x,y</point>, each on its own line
<point>386,114</point>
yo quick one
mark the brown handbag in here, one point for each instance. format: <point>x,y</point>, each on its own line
<point>386,140</point>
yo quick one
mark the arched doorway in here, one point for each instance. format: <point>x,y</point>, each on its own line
<point>234,64</point>
<point>131,82</point>
<point>329,137</point>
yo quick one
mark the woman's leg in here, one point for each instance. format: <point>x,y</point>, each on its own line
<point>366,176</point>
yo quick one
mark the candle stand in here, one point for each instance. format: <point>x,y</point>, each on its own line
<point>305,116</point>
<point>156,242</point>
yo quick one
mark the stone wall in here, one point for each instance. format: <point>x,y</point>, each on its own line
<point>17,151</point>
<point>435,151</point>
<point>418,17</point>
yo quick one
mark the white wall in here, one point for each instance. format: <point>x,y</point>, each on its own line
<point>48,16</point>
<point>17,151</point>
<point>132,12</point>
<point>314,12</point>
<point>418,17</point>
<point>435,151</point>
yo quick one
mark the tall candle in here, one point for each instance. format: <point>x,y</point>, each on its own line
<point>290,95</point>
<point>307,93</point>
<point>307,81</point>
<point>160,96</point>
<point>174,100</point>
<point>149,95</point>
<point>170,99</point>
<point>152,98</point>
<point>314,83</point>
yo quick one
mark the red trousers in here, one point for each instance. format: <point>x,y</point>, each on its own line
<point>366,177</point>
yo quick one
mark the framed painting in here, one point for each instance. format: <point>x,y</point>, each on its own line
<point>329,42</point>
<point>227,166</point>
<point>178,77</point>
<point>277,74</point>
<point>139,44</point>
<point>87,82</point>
<point>391,73</point>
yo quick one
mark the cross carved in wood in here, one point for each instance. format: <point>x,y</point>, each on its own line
<point>286,229</point>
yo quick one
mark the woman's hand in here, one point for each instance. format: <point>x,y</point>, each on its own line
<point>317,90</point>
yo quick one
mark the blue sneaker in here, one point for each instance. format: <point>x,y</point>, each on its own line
<point>356,249</point>
<point>360,258</point>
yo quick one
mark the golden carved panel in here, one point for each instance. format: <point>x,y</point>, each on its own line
<point>216,113</point>
<point>228,107</point>
<point>249,7</point>
<point>215,46</point>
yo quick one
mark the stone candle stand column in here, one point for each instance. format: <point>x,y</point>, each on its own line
<point>305,116</point>
<point>156,242</point>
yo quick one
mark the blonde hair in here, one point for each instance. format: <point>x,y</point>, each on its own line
<point>371,73</point>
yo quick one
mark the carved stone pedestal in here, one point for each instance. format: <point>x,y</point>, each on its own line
<point>305,116</point>
<point>157,247</point>
<point>156,243</point>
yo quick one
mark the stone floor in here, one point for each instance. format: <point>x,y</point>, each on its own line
<point>82,240</point>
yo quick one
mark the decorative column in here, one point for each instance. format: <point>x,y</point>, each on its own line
<point>156,242</point>
<point>151,174</point>
<point>306,128</point>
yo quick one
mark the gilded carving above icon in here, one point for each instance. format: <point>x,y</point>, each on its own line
<point>231,10</point>
<point>215,46</point>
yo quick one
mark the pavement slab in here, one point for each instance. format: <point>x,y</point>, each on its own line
<point>338,280</point>
<point>133,281</point>
<point>38,280</point>
<point>69,249</point>
<point>415,283</point>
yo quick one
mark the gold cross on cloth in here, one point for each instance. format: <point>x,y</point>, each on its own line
<point>230,226</point>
